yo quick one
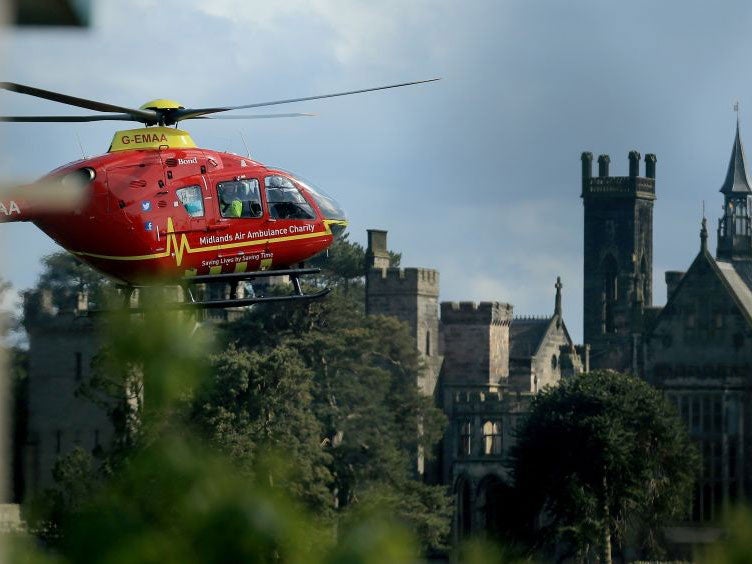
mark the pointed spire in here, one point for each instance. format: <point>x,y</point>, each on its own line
<point>557,305</point>
<point>736,176</point>
<point>704,235</point>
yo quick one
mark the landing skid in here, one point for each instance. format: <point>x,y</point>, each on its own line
<point>233,279</point>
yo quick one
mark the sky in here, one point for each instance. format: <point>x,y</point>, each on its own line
<point>477,175</point>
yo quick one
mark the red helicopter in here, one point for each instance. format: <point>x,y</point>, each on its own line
<point>157,208</point>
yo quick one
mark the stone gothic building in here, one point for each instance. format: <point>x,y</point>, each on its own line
<point>482,366</point>
<point>698,347</point>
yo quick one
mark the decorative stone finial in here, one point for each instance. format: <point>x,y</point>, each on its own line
<point>557,304</point>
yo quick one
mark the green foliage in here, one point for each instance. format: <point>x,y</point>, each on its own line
<point>176,497</point>
<point>623,462</point>
<point>363,373</point>
<point>191,476</point>
<point>256,402</point>
<point>342,263</point>
<point>735,546</point>
<point>176,502</point>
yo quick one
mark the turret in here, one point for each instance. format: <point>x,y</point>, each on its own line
<point>603,162</point>
<point>650,160</point>
<point>409,294</point>
<point>587,167</point>
<point>735,228</point>
<point>634,164</point>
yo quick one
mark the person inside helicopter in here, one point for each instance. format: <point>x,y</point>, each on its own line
<point>240,198</point>
<point>285,201</point>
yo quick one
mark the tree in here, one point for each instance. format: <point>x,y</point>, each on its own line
<point>65,276</point>
<point>254,403</point>
<point>601,454</point>
<point>363,372</point>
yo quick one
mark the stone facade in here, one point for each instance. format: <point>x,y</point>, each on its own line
<point>698,347</point>
<point>699,352</point>
<point>62,345</point>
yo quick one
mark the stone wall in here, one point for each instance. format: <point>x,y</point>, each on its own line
<point>476,342</point>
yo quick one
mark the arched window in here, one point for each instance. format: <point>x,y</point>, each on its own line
<point>465,444</point>
<point>492,438</point>
<point>610,292</point>
<point>428,342</point>
<point>554,362</point>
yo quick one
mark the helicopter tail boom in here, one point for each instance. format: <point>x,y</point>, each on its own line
<point>50,195</point>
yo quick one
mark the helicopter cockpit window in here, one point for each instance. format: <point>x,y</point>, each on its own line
<point>239,198</point>
<point>328,205</point>
<point>285,200</point>
<point>190,197</point>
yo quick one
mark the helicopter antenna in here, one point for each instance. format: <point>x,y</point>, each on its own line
<point>80,146</point>
<point>247,151</point>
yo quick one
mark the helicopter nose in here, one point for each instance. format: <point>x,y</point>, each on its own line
<point>338,227</point>
<point>334,214</point>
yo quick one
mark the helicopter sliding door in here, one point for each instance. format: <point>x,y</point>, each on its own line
<point>239,214</point>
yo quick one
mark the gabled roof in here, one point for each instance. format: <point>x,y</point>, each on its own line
<point>736,277</point>
<point>737,181</point>
<point>525,336</point>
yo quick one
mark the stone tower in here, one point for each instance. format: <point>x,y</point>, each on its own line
<point>477,337</point>
<point>618,259</point>
<point>409,294</point>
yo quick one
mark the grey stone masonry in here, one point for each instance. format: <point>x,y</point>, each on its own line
<point>476,340</point>
<point>377,254</point>
<point>411,295</point>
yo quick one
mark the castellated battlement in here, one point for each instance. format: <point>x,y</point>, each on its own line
<point>605,185</point>
<point>394,281</point>
<point>472,313</point>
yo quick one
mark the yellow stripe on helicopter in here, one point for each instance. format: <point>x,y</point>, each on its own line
<point>178,249</point>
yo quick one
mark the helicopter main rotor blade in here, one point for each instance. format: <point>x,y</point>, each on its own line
<point>189,113</point>
<point>256,116</point>
<point>66,119</point>
<point>136,115</point>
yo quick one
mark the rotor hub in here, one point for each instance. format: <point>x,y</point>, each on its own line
<point>165,108</point>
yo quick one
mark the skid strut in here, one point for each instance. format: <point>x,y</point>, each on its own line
<point>233,279</point>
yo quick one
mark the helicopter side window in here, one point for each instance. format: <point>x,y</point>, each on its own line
<point>239,198</point>
<point>190,197</point>
<point>285,200</point>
